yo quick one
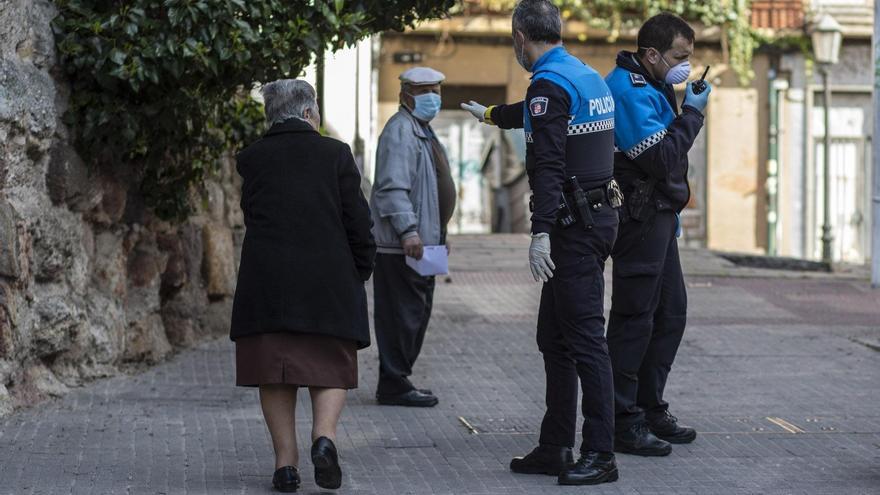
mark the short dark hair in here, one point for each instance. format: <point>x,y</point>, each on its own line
<point>661,30</point>
<point>538,20</point>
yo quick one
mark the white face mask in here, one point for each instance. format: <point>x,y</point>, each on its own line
<point>678,73</point>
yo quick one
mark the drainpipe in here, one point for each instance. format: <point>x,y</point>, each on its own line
<point>875,200</point>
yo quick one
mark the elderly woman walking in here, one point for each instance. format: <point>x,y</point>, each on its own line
<point>300,310</point>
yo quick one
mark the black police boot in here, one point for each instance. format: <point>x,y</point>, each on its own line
<point>667,428</point>
<point>638,440</point>
<point>545,459</point>
<point>591,469</point>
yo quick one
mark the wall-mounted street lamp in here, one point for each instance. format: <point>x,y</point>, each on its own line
<point>827,37</point>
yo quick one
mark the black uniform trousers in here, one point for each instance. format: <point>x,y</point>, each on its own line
<point>648,316</point>
<point>571,336</point>
<point>403,300</point>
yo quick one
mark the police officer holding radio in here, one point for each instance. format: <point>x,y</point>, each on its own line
<point>568,118</point>
<point>649,300</point>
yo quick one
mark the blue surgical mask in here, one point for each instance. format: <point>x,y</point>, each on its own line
<point>427,106</point>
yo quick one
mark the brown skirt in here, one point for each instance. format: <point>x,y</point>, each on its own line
<point>306,360</point>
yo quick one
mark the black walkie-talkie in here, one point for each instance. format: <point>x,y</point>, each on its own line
<point>700,86</point>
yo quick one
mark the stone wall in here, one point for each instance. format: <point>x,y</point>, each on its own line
<point>91,282</point>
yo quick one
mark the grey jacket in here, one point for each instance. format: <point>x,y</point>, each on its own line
<point>404,199</point>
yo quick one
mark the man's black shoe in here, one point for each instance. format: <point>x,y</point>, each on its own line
<point>639,440</point>
<point>413,398</point>
<point>328,474</point>
<point>667,428</point>
<point>286,479</point>
<point>591,468</point>
<point>545,459</point>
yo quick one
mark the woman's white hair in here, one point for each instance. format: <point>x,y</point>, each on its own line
<point>288,99</point>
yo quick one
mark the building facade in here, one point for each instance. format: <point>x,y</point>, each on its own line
<point>476,56</point>
<point>755,169</point>
<point>798,111</point>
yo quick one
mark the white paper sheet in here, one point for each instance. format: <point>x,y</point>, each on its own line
<point>435,261</point>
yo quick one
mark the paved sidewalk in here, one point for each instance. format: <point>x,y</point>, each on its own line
<point>779,376</point>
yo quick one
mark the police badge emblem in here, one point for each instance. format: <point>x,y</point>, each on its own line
<point>638,80</point>
<point>538,106</point>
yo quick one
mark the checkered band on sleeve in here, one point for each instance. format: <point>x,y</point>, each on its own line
<point>529,137</point>
<point>591,127</point>
<point>645,145</point>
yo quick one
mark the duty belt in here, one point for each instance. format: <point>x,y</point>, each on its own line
<point>578,205</point>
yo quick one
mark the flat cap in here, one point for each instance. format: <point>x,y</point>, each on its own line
<point>420,76</point>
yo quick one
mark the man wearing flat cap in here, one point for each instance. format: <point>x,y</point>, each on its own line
<point>412,201</point>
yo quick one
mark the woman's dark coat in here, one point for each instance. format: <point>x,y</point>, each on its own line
<point>308,248</point>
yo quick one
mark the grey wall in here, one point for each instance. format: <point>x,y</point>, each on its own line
<point>91,283</point>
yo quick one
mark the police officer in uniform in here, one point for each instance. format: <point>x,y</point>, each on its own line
<point>568,118</point>
<point>649,300</point>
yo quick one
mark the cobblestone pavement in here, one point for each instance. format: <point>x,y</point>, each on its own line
<point>779,376</point>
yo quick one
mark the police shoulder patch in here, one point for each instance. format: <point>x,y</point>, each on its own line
<point>538,106</point>
<point>638,80</point>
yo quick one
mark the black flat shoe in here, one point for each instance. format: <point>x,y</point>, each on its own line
<point>328,474</point>
<point>413,398</point>
<point>639,440</point>
<point>544,459</point>
<point>286,479</point>
<point>591,469</point>
<point>667,428</point>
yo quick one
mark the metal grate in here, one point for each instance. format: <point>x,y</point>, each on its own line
<point>500,425</point>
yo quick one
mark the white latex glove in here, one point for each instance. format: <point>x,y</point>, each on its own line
<point>539,258</point>
<point>477,110</point>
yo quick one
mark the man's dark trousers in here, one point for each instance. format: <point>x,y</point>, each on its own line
<point>403,302</point>
<point>571,328</point>
<point>648,316</point>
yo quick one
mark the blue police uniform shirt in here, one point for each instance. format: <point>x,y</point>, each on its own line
<point>643,112</point>
<point>651,136</point>
<point>568,119</point>
<point>592,104</point>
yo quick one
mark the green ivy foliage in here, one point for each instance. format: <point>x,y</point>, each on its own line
<point>732,16</point>
<point>165,84</point>
<point>738,40</point>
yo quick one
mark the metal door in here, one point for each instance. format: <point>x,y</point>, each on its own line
<point>848,197</point>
